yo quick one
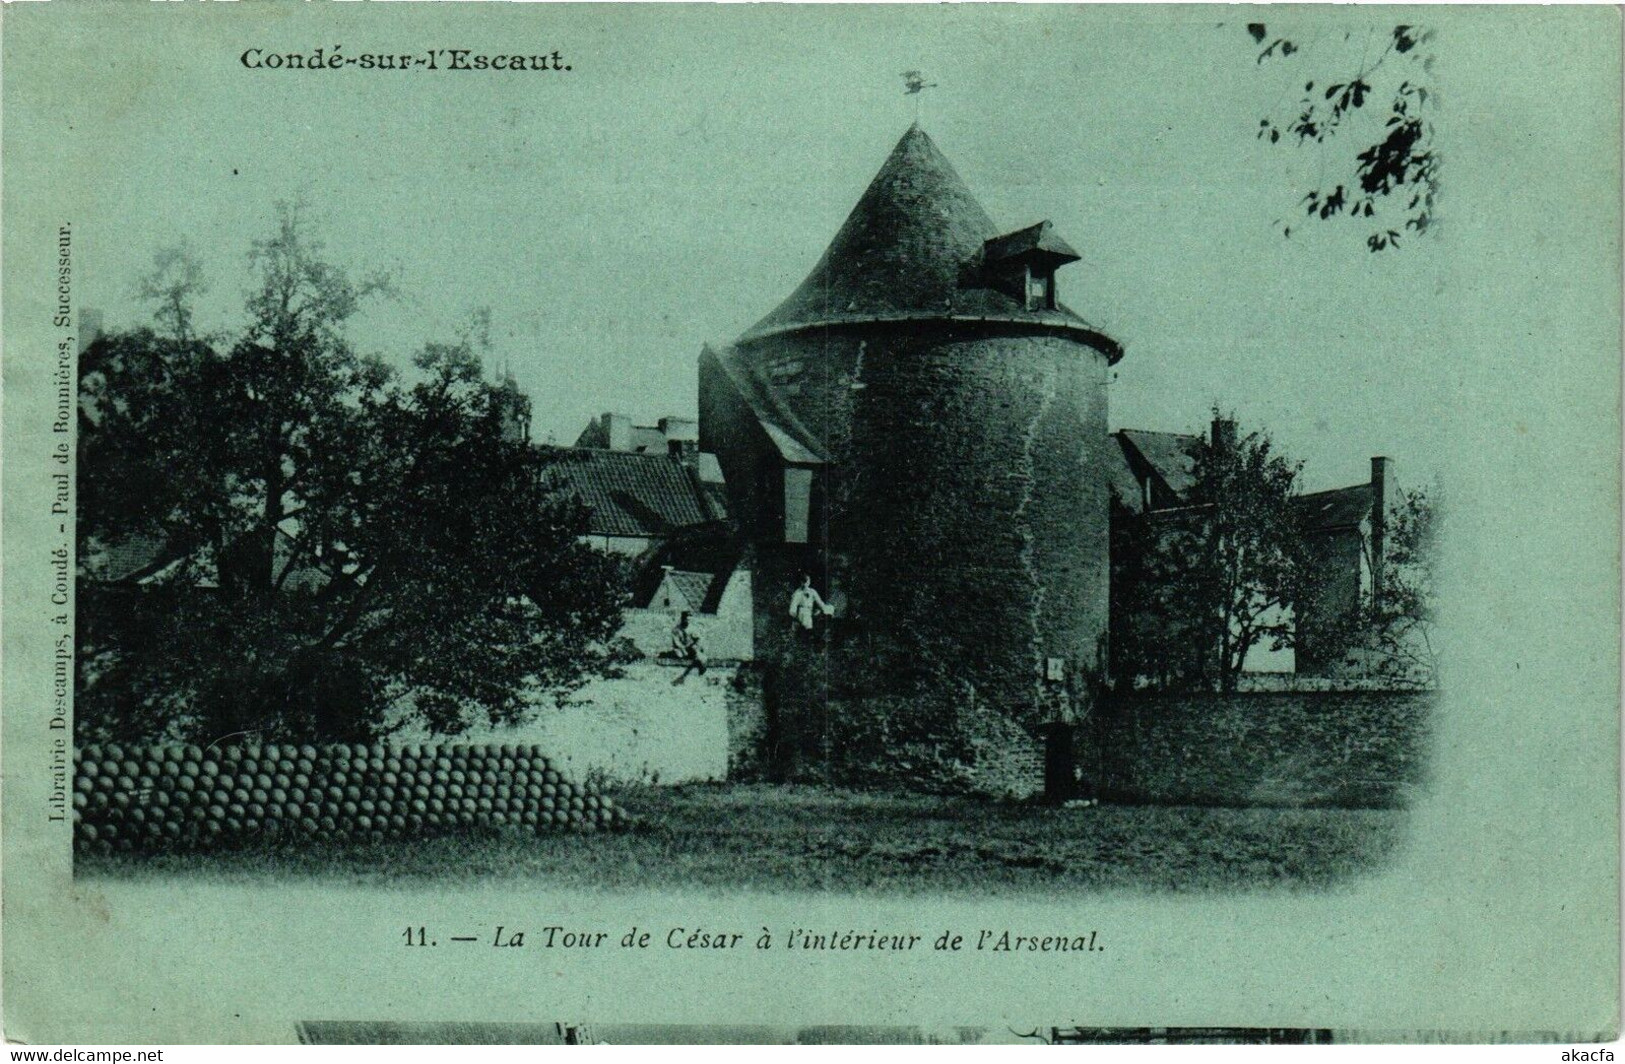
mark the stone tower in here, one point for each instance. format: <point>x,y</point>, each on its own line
<point>921,427</point>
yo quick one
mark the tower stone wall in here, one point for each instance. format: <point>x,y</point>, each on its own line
<point>953,428</point>
<point>963,526</point>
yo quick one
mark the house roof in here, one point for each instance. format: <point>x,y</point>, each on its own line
<point>145,559</point>
<point>131,559</point>
<point>694,587</point>
<point>592,435</point>
<point>1039,240</point>
<point>909,250</point>
<point>701,560</point>
<point>642,438</point>
<point>633,494</point>
<point>1323,511</point>
<point>1169,454</point>
<point>795,443</point>
<point>1120,476</point>
<point>647,438</point>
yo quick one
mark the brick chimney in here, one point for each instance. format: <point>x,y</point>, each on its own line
<point>1379,522</point>
<point>617,432</point>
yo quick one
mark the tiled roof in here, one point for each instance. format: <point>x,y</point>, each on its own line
<point>789,435</point>
<point>706,553</point>
<point>1120,476</point>
<point>1337,508</point>
<point>129,559</point>
<point>715,497</point>
<point>1040,237</point>
<point>1169,454</point>
<point>910,249</point>
<point>695,587</point>
<point>633,494</point>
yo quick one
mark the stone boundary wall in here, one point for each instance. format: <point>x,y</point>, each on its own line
<point>1009,761</point>
<point>1301,748</point>
<point>175,797</point>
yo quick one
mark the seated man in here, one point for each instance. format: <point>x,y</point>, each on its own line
<point>685,644</point>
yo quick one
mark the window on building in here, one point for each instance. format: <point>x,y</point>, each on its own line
<point>1040,290</point>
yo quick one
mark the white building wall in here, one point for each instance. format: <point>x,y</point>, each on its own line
<point>726,635</point>
<point>641,727</point>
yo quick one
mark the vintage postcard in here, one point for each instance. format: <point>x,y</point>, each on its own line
<point>921,523</point>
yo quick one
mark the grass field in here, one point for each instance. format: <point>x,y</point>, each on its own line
<point>760,837</point>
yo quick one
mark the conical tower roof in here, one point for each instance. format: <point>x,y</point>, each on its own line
<point>910,249</point>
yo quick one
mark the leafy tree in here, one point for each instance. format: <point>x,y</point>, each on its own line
<point>1394,638</point>
<point>334,550</point>
<point>176,280</point>
<point>1388,179</point>
<point>1196,589</point>
<point>1155,640</point>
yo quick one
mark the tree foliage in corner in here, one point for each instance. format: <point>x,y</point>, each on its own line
<point>1388,178</point>
<point>281,536</point>
<point>1196,589</point>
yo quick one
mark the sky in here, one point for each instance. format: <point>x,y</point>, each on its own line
<point>687,172</point>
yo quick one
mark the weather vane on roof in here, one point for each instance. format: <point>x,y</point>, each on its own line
<point>914,84</point>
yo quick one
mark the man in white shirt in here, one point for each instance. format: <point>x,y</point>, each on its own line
<point>806,605</point>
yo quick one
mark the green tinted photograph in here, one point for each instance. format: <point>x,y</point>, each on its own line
<point>888,594</point>
<point>984,457</point>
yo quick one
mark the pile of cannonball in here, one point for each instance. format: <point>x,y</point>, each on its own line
<point>177,797</point>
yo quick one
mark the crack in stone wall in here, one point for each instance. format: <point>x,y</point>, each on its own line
<point>1029,534</point>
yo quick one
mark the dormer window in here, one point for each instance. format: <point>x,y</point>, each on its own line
<point>1040,290</point>
<point>1023,264</point>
